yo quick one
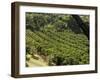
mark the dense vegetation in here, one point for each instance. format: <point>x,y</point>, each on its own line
<point>56,38</point>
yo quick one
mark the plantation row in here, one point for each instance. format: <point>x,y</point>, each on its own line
<point>59,48</point>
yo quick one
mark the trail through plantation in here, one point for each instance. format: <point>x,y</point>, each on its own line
<point>34,62</point>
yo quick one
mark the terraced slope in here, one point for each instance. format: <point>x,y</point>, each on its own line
<point>50,48</point>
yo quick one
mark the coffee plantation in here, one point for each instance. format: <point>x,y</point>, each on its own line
<point>52,41</point>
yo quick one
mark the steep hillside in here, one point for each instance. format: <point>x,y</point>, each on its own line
<point>53,40</point>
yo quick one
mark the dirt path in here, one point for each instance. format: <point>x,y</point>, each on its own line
<point>36,62</point>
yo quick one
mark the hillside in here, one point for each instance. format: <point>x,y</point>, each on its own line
<point>53,40</point>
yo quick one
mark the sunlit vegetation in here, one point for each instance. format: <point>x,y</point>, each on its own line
<point>55,39</point>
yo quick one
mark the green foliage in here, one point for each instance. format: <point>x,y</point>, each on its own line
<point>85,18</point>
<point>35,21</point>
<point>48,35</point>
<point>68,49</point>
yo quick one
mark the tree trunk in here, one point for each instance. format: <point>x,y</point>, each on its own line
<point>82,25</point>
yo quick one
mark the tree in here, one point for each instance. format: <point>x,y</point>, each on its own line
<point>82,25</point>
